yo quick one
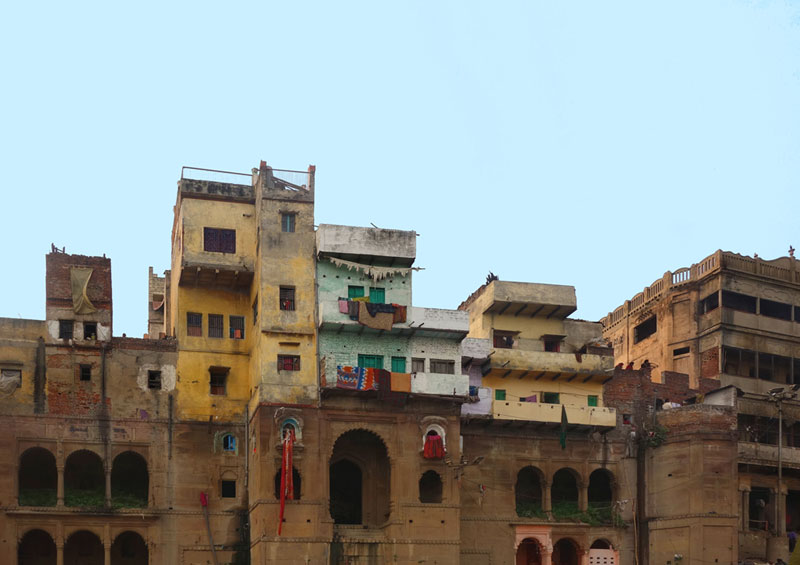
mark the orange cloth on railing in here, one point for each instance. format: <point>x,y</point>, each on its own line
<point>434,447</point>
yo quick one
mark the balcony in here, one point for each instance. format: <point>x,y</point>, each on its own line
<point>762,454</point>
<point>551,413</point>
<point>410,383</point>
<point>419,322</point>
<point>522,363</point>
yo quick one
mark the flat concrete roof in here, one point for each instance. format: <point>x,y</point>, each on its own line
<point>396,247</point>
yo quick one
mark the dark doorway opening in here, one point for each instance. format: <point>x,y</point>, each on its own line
<point>345,477</point>
<point>528,493</point>
<point>430,487</point>
<point>529,553</point>
<point>84,480</point>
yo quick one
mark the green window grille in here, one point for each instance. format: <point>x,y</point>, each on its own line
<point>499,394</point>
<point>398,364</point>
<point>377,295</point>
<point>370,361</point>
<point>551,398</point>
<point>355,291</point>
<point>592,400</point>
<point>287,222</point>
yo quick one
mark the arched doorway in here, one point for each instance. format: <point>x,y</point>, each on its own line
<point>360,479</point>
<point>129,481</point>
<point>528,493</point>
<point>565,494</point>
<point>129,549</point>
<point>529,552</point>
<point>36,548</point>
<point>346,491</point>
<point>84,479</point>
<point>565,552</point>
<point>83,548</point>
<point>38,478</point>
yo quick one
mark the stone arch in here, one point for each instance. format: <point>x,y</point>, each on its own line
<point>529,552</point>
<point>602,551</point>
<point>434,429</point>
<point>296,482</point>
<point>601,543</point>
<point>130,480</point>
<point>565,492</point>
<point>601,495</point>
<point>529,492</point>
<point>36,547</point>
<point>129,548</point>
<point>360,464</point>
<point>365,429</point>
<point>430,487</point>
<point>83,547</point>
<point>84,479</point>
<point>566,551</point>
<point>38,477</point>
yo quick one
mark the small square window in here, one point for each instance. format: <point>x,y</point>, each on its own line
<point>627,420</point>
<point>443,367</point>
<point>288,362</point>
<point>551,398</point>
<point>237,327</point>
<point>218,380</point>
<point>65,329</point>
<point>355,292</point>
<point>194,324</point>
<point>154,380</point>
<point>287,222</point>
<point>229,442</point>
<point>215,325</point>
<point>370,361</point>
<point>417,365</point>
<point>90,330</point>
<point>286,298</point>
<point>552,345</point>
<point>398,364</point>
<point>592,400</point>
<point>377,295</point>
<point>219,240</point>
<point>499,394</point>
<point>86,372</point>
<point>228,489</point>
<point>503,340</point>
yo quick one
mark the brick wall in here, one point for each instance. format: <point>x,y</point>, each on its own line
<point>58,285</point>
<point>709,362</point>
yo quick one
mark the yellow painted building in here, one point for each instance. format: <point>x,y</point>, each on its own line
<point>539,359</point>
<point>240,292</point>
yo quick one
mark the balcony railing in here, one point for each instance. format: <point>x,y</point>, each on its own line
<point>516,360</point>
<point>361,379</point>
<point>551,413</point>
<point>768,454</point>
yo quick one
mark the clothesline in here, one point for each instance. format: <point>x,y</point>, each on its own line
<point>377,273</point>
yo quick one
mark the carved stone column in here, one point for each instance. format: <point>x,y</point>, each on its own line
<point>108,485</point>
<point>745,509</point>
<point>583,496</point>
<point>60,486</point>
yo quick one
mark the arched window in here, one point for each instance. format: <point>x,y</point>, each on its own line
<point>528,493</point>
<point>38,478</point>
<point>36,548</point>
<point>229,443</point>
<point>434,445</point>
<point>84,479</point>
<point>129,548</point>
<point>430,487</point>
<point>565,494</point>
<point>85,548</point>
<point>130,482</point>
<point>565,552</point>
<point>601,495</point>
<point>295,482</point>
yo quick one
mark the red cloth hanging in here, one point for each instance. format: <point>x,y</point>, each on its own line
<point>287,478</point>
<point>434,447</point>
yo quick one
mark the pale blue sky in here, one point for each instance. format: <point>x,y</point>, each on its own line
<point>594,144</point>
